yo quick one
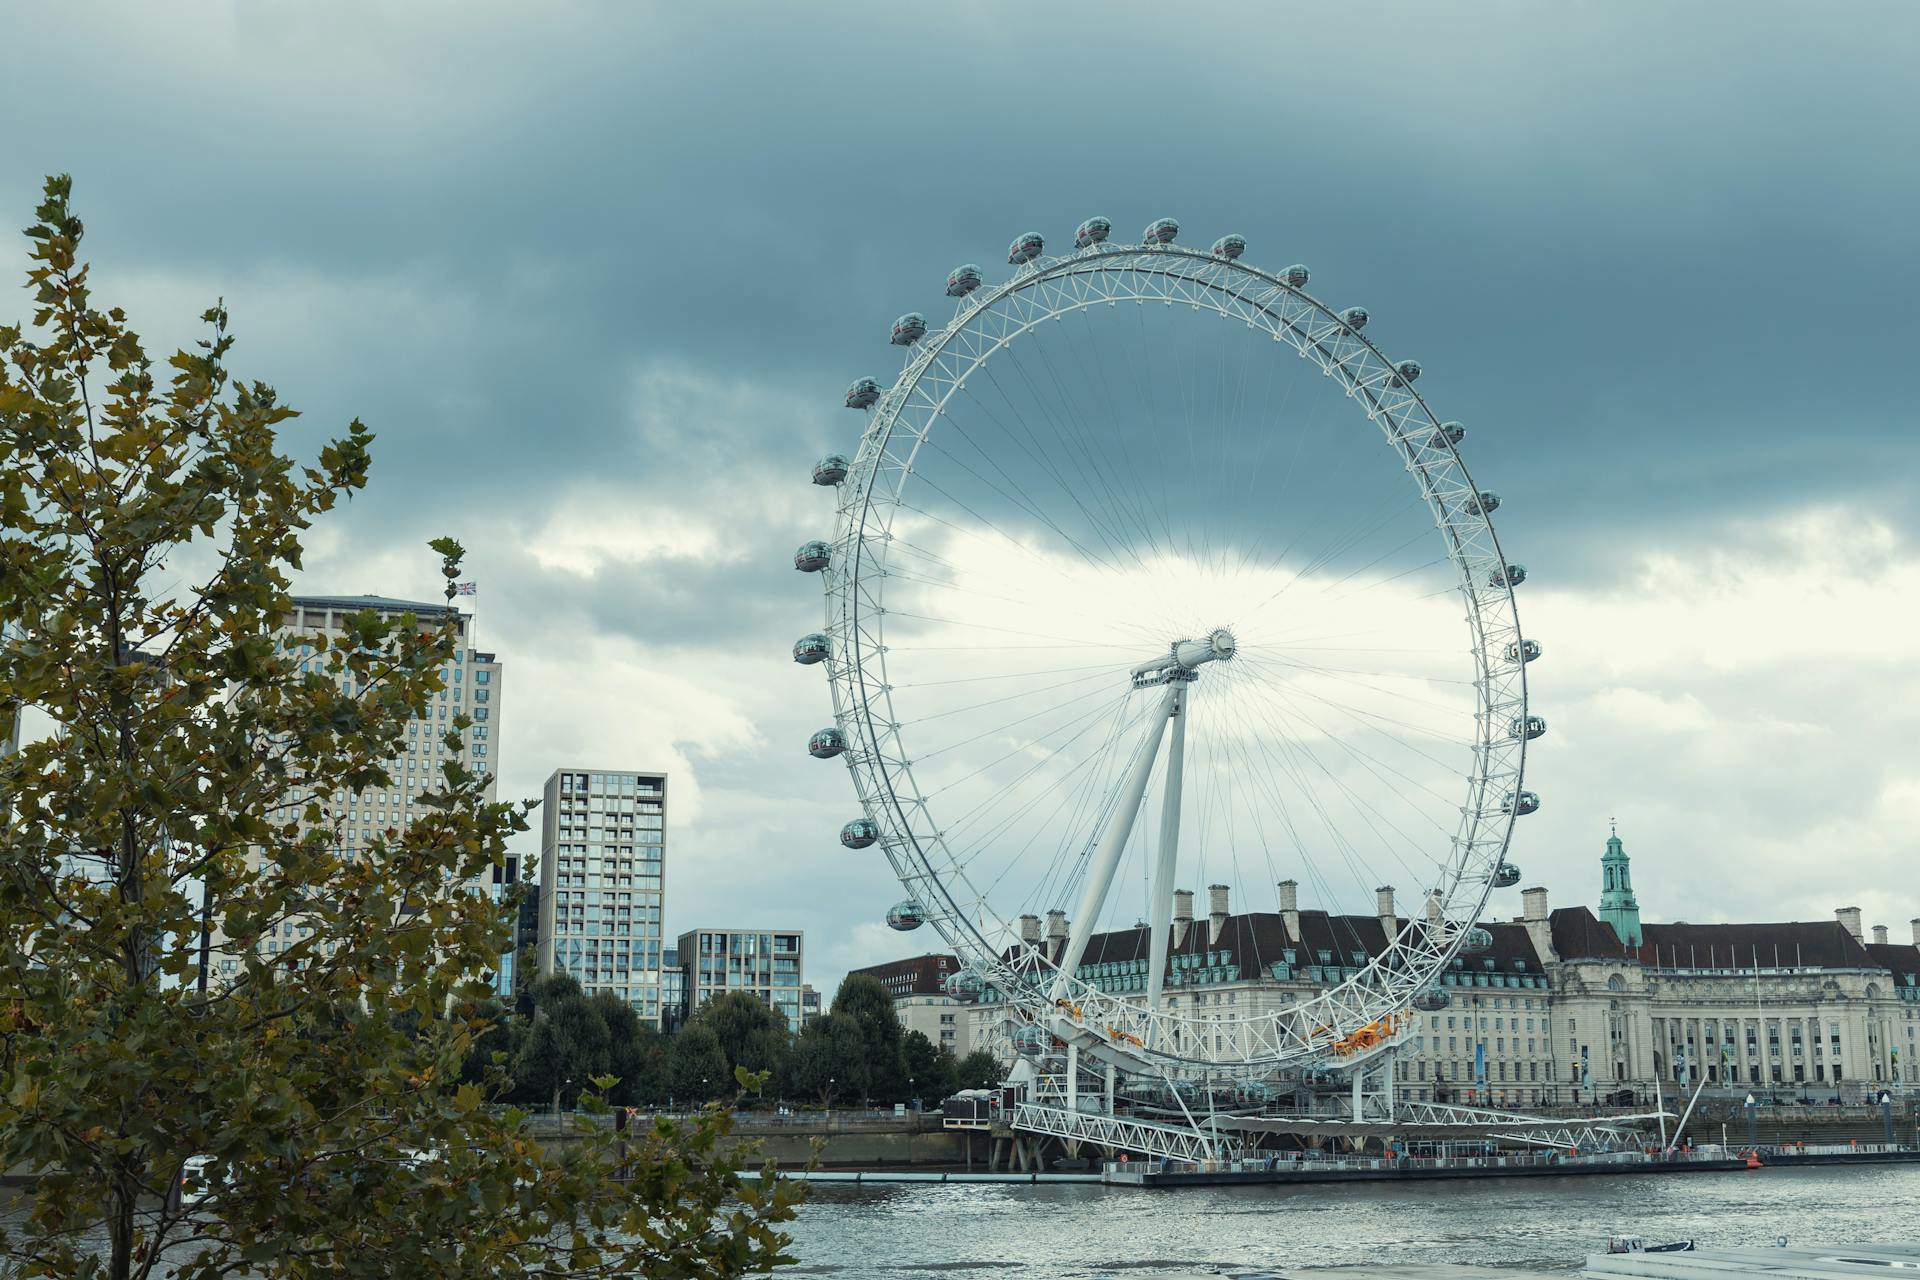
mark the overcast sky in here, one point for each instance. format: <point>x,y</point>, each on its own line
<point>597,276</point>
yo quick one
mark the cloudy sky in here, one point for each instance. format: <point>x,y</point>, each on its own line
<point>597,279</point>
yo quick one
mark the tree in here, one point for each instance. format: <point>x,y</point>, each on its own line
<point>194,780</point>
<point>866,1000</point>
<point>922,1062</point>
<point>946,1074</point>
<point>749,1032</point>
<point>634,1051</point>
<point>978,1070</point>
<point>830,1060</point>
<point>567,1046</point>
<point>697,1065</point>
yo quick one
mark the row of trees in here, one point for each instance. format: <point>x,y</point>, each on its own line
<point>562,1038</point>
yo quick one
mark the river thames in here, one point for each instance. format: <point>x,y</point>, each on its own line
<point>1079,1231</point>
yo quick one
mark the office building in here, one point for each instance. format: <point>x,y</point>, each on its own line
<point>471,686</point>
<point>602,874</point>
<point>761,962</point>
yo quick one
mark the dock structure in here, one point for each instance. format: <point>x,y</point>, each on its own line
<point>1827,1262</point>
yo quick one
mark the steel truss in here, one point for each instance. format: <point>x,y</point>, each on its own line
<point>1135,1035</point>
<point>1126,1133</point>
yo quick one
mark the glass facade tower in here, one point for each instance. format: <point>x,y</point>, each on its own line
<point>602,874</point>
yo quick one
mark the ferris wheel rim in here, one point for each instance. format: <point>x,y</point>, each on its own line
<point>958,918</point>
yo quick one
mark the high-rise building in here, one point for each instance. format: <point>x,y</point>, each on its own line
<point>761,962</point>
<point>602,873</point>
<point>673,990</point>
<point>472,687</point>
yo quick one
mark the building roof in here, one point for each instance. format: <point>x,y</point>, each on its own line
<point>1578,934</point>
<point>916,976</point>
<point>1794,944</point>
<point>1902,958</point>
<point>387,604</point>
<point>1255,941</point>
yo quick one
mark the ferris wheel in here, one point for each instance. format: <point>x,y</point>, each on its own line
<point>1121,598</point>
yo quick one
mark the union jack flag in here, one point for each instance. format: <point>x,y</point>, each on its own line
<point>466,588</point>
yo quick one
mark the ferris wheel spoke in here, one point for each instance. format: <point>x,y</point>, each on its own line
<point>1030,443</point>
<point>1390,790</point>
<point>1098,460</point>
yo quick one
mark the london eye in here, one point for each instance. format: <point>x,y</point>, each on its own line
<point>1150,573</point>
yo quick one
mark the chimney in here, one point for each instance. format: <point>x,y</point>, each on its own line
<point>1915,925</point>
<point>1216,912</point>
<point>1056,926</point>
<point>1383,907</point>
<point>1880,934</point>
<point>1849,918</point>
<point>1290,908</point>
<point>1182,916</point>
<point>1539,922</point>
<point>1432,908</point>
<point>1030,930</point>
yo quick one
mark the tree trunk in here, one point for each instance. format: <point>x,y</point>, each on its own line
<point>120,1231</point>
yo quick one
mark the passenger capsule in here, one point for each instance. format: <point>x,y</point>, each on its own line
<point>909,329</point>
<point>1511,576</point>
<point>826,744</point>
<point>905,916</point>
<point>812,557</point>
<point>1091,232</point>
<point>1523,651</point>
<point>862,393</point>
<point>1432,1001</point>
<point>963,280</point>
<point>1355,318</point>
<point>1476,941</point>
<point>1160,231</point>
<point>963,985</point>
<point>1030,1041</point>
<point>1450,433</point>
<point>1483,503</point>
<point>830,470</point>
<point>1025,248</point>
<point>1406,373</point>
<point>1296,275</point>
<point>1521,805</point>
<point>1528,727</point>
<point>859,833</point>
<point>1505,876</point>
<point>1229,247</point>
<point>810,648</point>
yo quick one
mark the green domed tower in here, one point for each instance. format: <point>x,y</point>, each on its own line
<point>1618,906</point>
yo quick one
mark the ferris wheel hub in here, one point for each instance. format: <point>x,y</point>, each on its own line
<point>1183,657</point>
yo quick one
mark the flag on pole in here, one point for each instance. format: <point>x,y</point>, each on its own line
<point>466,588</point>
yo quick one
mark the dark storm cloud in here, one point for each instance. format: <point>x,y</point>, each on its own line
<point>611,263</point>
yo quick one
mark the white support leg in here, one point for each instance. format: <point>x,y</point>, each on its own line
<point>1107,859</point>
<point>1161,917</point>
<point>1073,1077</point>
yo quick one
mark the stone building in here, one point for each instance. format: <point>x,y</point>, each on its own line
<point>1567,1007</point>
<point>918,988</point>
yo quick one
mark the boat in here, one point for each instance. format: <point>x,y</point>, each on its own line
<point>1634,1244</point>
